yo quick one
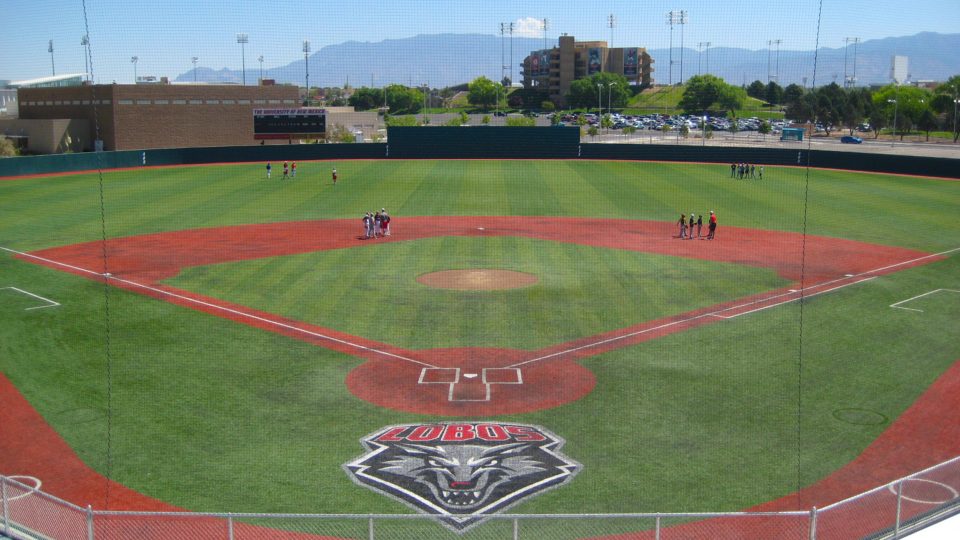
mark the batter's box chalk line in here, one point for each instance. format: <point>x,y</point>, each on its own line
<point>49,302</point>
<point>898,306</point>
<point>470,385</point>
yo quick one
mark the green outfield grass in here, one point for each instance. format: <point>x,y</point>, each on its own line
<point>212,415</point>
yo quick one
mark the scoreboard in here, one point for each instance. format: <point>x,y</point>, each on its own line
<point>303,123</point>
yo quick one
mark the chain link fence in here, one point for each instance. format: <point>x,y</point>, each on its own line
<point>888,511</point>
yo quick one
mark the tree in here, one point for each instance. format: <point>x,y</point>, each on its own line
<point>944,101</point>
<point>592,131</point>
<point>515,100</point>
<point>906,103</point>
<point>403,100</point>
<point>773,93</point>
<point>792,93</point>
<point>764,128</point>
<point>340,134</point>
<point>484,93</point>
<point>700,93</point>
<point>365,99</point>
<point>547,106</point>
<point>731,98</point>
<point>485,120</point>
<point>927,122</point>
<point>7,149</point>
<point>757,90</point>
<point>684,131</point>
<point>878,121</point>
<point>601,89</point>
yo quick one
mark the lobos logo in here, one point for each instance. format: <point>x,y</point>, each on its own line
<point>461,471</point>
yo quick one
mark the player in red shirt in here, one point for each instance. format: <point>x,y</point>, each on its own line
<point>286,170</point>
<point>713,225</point>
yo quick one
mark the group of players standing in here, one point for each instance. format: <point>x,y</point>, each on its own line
<point>290,171</point>
<point>687,226</point>
<point>745,170</point>
<point>376,224</point>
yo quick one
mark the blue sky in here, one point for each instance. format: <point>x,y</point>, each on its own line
<point>164,35</point>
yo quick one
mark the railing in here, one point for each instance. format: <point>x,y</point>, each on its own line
<point>888,511</point>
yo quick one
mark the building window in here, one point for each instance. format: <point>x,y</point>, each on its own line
<point>143,102</point>
<point>228,102</point>
<point>289,101</point>
<point>273,101</point>
<point>213,102</point>
<point>85,102</point>
<point>196,102</point>
<point>260,101</point>
<point>243,101</point>
<point>179,102</point>
<point>161,102</point>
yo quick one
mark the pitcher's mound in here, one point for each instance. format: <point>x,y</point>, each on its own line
<point>477,279</point>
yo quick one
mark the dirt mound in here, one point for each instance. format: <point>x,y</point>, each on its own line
<point>477,279</point>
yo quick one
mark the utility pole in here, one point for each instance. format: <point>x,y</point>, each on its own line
<point>682,22</point>
<point>777,42</point>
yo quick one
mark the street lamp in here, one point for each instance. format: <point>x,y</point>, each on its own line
<point>955,102</point>
<point>194,60</point>
<point>306,65</point>
<point>260,59</point>
<point>610,103</point>
<point>134,60</point>
<point>895,105</point>
<point>242,39</point>
<point>599,104</point>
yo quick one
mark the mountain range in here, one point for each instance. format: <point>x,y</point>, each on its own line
<point>441,60</point>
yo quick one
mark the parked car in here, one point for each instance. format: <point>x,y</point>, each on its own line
<point>850,139</point>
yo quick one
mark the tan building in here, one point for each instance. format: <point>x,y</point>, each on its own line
<point>133,117</point>
<point>554,70</point>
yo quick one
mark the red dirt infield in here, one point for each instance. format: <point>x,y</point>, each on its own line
<point>420,380</point>
<point>550,376</point>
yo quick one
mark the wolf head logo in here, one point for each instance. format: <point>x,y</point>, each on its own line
<point>462,472</point>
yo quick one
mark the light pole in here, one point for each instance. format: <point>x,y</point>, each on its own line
<point>426,88</point>
<point>599,104</point>
<point>705,46</point>
<point>134,60</point>
<point>194,60</point>
<point>682,22</point>
<point>671,19</point>
<point>955,102</point>
<point>260,59</point>
<point>610,104</point>
<point>242,39</point>
<point>777,42</point>
<point>306,65</point>
<point>511,54</point>
<point>545,24</point>
<point>85,43</point>
<point>895,105</point>
<point>52,66</point>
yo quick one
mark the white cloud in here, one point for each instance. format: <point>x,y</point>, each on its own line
<point>528,27</point>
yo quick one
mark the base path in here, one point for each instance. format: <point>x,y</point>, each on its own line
<point>476,382</point>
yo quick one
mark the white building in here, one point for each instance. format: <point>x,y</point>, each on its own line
<point>898,69</point>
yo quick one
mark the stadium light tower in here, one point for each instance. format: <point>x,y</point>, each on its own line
<point>503,61</point>
<point>52,66</point>
<point>85,43</point>
<point>306,65</point>
<point>676,17</point>
<point>545,25</point>
<point>260,59</point>
<point>134,60</point>
<point>242,39</point>
<point>611,22</point>
<point>194,60</point>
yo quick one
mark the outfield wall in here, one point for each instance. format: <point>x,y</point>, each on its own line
<point>487,142</point>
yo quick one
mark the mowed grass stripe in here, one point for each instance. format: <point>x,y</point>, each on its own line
<point>600,296</point>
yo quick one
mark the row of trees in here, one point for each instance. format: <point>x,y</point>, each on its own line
<point>910,107</point>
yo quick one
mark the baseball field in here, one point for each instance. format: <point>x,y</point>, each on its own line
<point>211,340</point>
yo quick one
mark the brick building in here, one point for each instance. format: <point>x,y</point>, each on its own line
<point>157,116</point>
<point>553,70</point>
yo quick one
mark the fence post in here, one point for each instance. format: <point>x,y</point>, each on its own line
<point>6,505</point>
<point>516,529</point>
<point>657,527</point>
<point>89,522</point>
<point>229,527</point>
<point>896,528</point>
<point>813,523</point>
<point>370,529</point>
